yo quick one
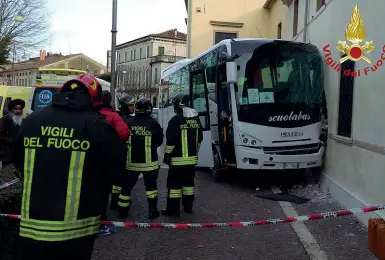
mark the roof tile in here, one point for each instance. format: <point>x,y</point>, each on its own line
<point>35,63</point>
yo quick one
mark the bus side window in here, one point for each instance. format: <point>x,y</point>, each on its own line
<point>199,102</point>
<point>211,77</point>
<point>223,93</point>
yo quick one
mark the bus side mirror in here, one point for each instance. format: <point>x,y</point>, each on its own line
<point>231,71</point>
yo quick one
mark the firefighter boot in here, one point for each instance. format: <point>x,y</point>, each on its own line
<point>188,210</point>
<point>170,213</point>
<point>114,201</point>
<point>172,208</point>
<point>103,216</point>
<point>187,204</point>
<point>123,212</point>
<point>153,212</point>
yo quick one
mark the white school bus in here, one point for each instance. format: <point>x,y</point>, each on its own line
<point>260,103</point>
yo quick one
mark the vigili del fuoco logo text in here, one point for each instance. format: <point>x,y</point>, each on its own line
<point>355,50</point>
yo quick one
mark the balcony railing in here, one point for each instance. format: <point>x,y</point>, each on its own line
<point>166,58</point>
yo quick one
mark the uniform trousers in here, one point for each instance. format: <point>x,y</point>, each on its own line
<point>76,249</point>
<point>150,182</point>
<point>180,185</point>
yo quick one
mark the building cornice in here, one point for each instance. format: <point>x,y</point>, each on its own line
<point>269,4</point>
<point>169,40</point>
<point>133,43</point>
<point>227,24</point>
<point>287,2</point>
<point>148,39</point>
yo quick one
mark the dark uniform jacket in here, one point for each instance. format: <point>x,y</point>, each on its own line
<point>126,116</point>
<point>146,136</point>
<point>8,132</point>
<point>68,154</point>
<point>184,136</point>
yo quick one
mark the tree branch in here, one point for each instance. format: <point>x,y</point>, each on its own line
<point>32,32</point>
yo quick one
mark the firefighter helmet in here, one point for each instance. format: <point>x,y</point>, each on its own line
<point>126,102</point>
<point>180,101</point>
<point>86,84</point>
<point>143,107</point>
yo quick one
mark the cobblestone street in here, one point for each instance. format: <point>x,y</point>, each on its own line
<point>339,238</point>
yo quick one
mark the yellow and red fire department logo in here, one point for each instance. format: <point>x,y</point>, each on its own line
<point>355,33</point>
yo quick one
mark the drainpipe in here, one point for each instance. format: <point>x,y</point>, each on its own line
<point>189,19</point>
<point>306,18</point>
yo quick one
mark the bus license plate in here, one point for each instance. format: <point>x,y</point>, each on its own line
<point>291,165</point>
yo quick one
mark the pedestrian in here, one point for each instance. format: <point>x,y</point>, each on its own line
<point>64,151</point>
<point>124,132</point>
<point>183,138</point>
<point>9,128</point>
<point>146,136</point>
<point>127,107</point>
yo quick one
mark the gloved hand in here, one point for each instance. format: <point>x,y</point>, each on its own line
<point>167,159</point>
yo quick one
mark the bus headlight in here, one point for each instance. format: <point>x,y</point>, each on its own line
<point>249,140</point>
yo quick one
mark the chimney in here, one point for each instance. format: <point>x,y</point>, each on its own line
<point>42,55</point>
<point>176,33</point>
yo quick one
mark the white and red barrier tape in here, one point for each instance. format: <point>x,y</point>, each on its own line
<point>7,184</point>
<point>332,214</point>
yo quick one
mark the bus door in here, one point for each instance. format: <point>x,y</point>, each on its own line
<point>199,100</point>
<point>225,122</point>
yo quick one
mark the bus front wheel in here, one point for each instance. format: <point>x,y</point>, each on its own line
<point>215,171</point>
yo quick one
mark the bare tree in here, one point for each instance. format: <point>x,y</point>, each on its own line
<point>24,24</point>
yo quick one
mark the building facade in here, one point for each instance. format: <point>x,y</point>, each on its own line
<point>141,61</point>
<point>355,158</point>
<point>24,73</point>
<point>354,163</point>
<point>209,22</point>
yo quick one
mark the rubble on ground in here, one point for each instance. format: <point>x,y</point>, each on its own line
<point>10,198</point>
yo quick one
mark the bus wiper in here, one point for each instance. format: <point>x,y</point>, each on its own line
<point>234,57</point>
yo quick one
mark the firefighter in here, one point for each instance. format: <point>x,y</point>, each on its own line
<point>146,136</point>
<point>123,131</point>
<point>126,111</point>
<point>127,107</point>
<point>68,153</point>
<point>184,136</point>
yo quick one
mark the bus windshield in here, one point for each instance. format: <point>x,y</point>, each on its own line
<point>278,78</point>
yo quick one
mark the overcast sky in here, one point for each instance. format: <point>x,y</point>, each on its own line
<point>84,26</point>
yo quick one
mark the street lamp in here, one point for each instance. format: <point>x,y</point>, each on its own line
<point>113,50</point>
<point>18,19</point>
